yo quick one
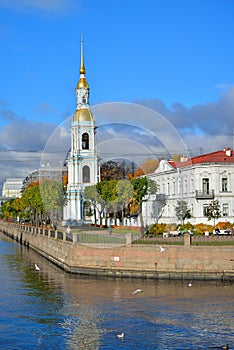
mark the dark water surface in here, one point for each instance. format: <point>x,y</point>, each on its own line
<point>51,309</point>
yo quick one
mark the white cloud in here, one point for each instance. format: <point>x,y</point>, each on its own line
<point>24,135</point>
<point>208,125</point>
<point>141,124</point>
<point>17,164</point>
<point>20,144</point>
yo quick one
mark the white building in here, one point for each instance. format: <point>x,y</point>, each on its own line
<point>197,181</point>
<point>12,187</point>
<point>82,160</point>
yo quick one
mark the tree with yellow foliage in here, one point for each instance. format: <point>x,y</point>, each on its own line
<point>147,166</point>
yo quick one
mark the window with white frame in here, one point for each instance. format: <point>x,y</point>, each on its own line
<point>225,209</point>
<point>85,141</point>
<point>224,184</point>
<point>173,187</point>
<point>185,186</point>
<point>192,186</point>
<point>179,187</point>
<point>205,185</point>
<point>191,210</point>
<point>205,209</point>
<point>86,174</point>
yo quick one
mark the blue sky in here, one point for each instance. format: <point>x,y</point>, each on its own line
<point>175,56</point>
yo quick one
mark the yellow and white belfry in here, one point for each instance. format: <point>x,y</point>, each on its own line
<point>82,160</point>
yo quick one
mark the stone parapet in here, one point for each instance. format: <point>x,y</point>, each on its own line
<point>131,260</point>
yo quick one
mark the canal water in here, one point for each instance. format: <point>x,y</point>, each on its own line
<point>50,309</point>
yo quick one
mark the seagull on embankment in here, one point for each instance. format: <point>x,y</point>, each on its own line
<point>37,268</point>
<point>137,291</point>
<point>161,249</point>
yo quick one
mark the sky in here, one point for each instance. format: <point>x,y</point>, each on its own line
<point>175,57</point>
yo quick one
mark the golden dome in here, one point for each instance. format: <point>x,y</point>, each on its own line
<point>83,115</point>
<point>82,83</point>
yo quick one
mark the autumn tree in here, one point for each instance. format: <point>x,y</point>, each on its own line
<point>108,193</point>
<point>182,210</point>
<point>146,167</point>
<point>109,197</point>
<point>213,210</point>
<point>116,170</point>
<point>52,194</point>
<point>125,193</point>
<point>18,208</point>
<point>176,157</point>
<point>102,196</point>
<point>92,196</point>
<point>142,188</point>
<point>7,209</point>
<point>32,203</point>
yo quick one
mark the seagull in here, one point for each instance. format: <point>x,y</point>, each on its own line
<point>225,347</point>
<point>120,335</point>
<point>137,291</point>
<point>190,284</point>
<point>161,248</point>
<point>37,268</point>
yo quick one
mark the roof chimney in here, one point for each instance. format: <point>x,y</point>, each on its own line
<point>228,152</point>
<point>183,159</point>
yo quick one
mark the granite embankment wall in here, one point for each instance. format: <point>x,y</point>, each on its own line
<point>130,260</point>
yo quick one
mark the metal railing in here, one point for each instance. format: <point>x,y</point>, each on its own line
<point>208,194</point>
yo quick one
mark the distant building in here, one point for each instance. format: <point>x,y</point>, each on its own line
<point>198,181</point>
<point>12,188</point>
<point>45,173</point>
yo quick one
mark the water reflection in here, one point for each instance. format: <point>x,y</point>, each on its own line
<point>51,309</point>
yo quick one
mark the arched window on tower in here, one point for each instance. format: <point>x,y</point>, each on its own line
<point>86,174</point>
<point>85,141</point>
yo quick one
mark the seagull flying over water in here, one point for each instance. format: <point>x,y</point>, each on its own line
<point>190,284</point>
<point>137,291</point>
<point>37,268</point>
<point>120,335</point>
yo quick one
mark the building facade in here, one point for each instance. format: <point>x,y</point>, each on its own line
<point>82,160</point>
<point>45,173</point>
<point>12,188</point>
<point>198,181</point>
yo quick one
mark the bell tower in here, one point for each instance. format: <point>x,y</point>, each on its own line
<point>82,160</point>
